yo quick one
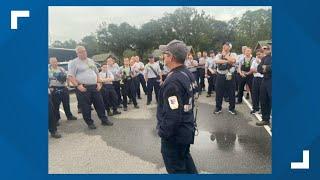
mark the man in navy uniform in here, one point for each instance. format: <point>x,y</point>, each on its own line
<point>176,122</point>
<point>84,74</point>
<point>265,68</point>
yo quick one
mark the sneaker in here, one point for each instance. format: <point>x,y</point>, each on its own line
<point>136,106</point>
<point>253,111</point>
<point>116,112</point>
<point>125,108</point>
<point>107,123</point>
<point>120,106</point>
<point>148,103</point>
<point>92,126</point>
<point>130,101</point>
<point>56,135</point>
<point>233,112</point>
<point>262,123</point>
<point>208,95</point>
<point>217,111</point>
<point>72,118</point>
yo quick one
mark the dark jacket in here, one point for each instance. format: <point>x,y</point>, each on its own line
<point>175,115</point>
<point>267,61</point>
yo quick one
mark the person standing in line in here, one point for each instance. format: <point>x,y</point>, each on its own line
<point>201,68</point>
<point>109,95</point>
<point>152,74</point>
<point>225,82</point>
<point>210,73</point>
<point>256,82</point>
<point>84,74</point>
<point>60,92</point>
<point>114,68</point>
<point>140,77</point>
<point>265,68</point>
<point>128,85</point>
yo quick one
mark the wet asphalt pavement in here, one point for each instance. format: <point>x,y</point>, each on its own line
<point>225,144</point>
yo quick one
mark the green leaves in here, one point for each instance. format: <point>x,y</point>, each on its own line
<point>196,29</point>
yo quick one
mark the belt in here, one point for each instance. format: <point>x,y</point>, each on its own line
<point>89,85</point>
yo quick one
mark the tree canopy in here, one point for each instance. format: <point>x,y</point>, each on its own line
<point>195,28</point>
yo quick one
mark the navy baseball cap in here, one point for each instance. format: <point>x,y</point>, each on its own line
<point>177,48</point>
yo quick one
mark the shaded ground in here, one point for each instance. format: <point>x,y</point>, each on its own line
<point>225,144</point>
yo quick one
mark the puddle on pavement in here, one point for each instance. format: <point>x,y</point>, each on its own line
<point>224,141</point>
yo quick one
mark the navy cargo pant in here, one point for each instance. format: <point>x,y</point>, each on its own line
<point>110,97</point>
<point>152,84</point>
<point>211,82</point>
<point>266,99</point>
<point>225,87</point>
<point>52,120</point>
<point>256,83</point>
<point>61,94</point>
<point>140,80</point>
<point>242,82</point>
<point>177,158</point>
<point>117,88</point>
<point>201,77</point>
<point>91,96</point>
<point>129,90</point>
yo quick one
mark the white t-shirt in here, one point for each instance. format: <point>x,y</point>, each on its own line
<point>139,66</point>
<point>254,66</point>
<point>188,64</point>
<point>104,75</point>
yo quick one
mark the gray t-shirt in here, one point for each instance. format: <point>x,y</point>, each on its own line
<point>148,71</point>
<point>85,71</point>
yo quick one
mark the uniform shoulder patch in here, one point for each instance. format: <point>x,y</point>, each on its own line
<point>173,102</point>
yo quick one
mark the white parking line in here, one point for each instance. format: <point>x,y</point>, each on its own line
<point>258,116</point>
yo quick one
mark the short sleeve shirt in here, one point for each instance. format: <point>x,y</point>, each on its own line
<point>52,77</point>
<point>254,65</point>
<point>115,70</point>
<point>149,72</point>
<point>189,66</point>
<point>85,71</point>
<point>107,74</point>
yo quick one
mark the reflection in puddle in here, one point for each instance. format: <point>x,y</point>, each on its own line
<point>224,141</point>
